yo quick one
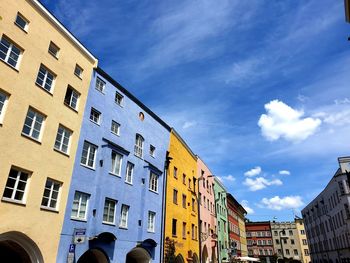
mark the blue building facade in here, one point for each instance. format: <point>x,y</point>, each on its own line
<point>114,208</point>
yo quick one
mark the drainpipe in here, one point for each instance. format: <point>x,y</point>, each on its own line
<point>162,239</point>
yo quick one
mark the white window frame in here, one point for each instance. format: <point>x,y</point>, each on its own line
<point>100,85</point>
<point>124,214</point>
<point>10,52</point>
<point>153,182</point>
<point>15,189</point>
<point>62,141</point>
<point>78,71</point>
<point>26,26</point>
<point>73,98</point>
<point>78,197</point>
<point>151,223</point>
<point>109,211</point>
<point>33,123</point>
<point>119,98</point>
<point>53,49</point>
<point>116,167</point>
<point>48,76</point>
<point>91,152</point>
<point>95,116</point>
<point>115,128</point>
<point>129,172</point>
<point>4,97</point>
<point>138,148</point>
<point>52,200</point>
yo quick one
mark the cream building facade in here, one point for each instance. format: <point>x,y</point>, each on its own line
<point>44,78</point>
<point>304,247</point>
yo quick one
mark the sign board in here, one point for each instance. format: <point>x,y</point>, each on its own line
<point>79,235</point>
<point>71,253</point>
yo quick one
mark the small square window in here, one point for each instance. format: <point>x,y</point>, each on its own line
<point>51,194</point>
<point>115,128</point>
<point>54,49</point>
<point>100,84</point>
<point>152,150</point>
<point>95,116</point>
<point>78,71</point>
<point>22,22</point>
<point>119,98</point>
<point>71,98</point>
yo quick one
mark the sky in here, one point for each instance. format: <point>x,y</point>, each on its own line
<point>259,89</point>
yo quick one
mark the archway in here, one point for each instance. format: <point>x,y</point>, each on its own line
<point>138,255</point>
<point>205,258</point>
<point>179,259</point>
<point>93,256</point>
<point>195,258</point>
<point>17,247</point>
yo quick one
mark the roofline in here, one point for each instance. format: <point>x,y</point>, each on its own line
<point>199,158</point>
<point>63,29</point>
<point>258,223</point>
<point>183,143</point>
<point>236,202</point>
<point>220,183</point>
<point>132,97</point>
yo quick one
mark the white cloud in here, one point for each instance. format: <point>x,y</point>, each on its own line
<point>338,118</point>
<point>282,121</point>
<point>260,183</point>
<point>277,203</point>
<point>246,206</point>
<point>284,172</point>
<point>229,178</point>
<point>253,172</point>
<point>343,101</point>
<point>189,124</point>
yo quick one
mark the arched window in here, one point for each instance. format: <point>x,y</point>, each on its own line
<point>138,149</point>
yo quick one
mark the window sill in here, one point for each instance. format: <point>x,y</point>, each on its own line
<point>175,236</point>
<point>88,167</point>
<point>128,183</point>
<point>120,105</point>
<point>116,134</point>
<point>67,105</point>
<point>98,124</point>
<point>123,227</point>
<point>49,209</point>
<point>31,138</point>
<point>63,153</point>
<point>153,191</point>
<point>151,232</point>
<point>78,219</point>
<point>79,77</point>
<point>9,65</point>
<point>41,87</point>
<point>8,200</point>
<point>108,223</point>
<point>116,175</point>
<point>52,54</point>
<point>140,157</point>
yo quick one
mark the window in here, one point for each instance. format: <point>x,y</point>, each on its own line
<point>285,241</point>
<point>124,216</point>
<point>152,150</point>
<point>100,84</point>
<point>153,182</point>
<point>33,123</point>
<point>302,231</point>
<point>95,116</point>
<point>275,233</point>
<point>3,104</point>
<point>175,172</point>
<point>51,193</point>
<point>129,172</point>
<point>22,22</point>
<point>115,128</point>
<point>89,154</point>
<point>287,251</point>
<point>193,232</point>
<point>45,78</point>
<point>78,71</point>
<point>118,98</point>
<point>16,185</point>
<point>184,201</point>
<point>151,221</point>
<point>304,242</point>
<point>175,196</point>
<point>71,98</point>
<point>80,205</point>
<point>184,179</point>
<point>173,227</point>
<point>9,52</point>
<point>116,163</point>
<point>290,232</point>
<point>306,252</point>
<point>295,252</point>
<point>54,49</point>
<point>184,230</point>
<point>62,139</point>
<point>109,211</point>
<point>292,242</point>
<point>138,145</point>
<point>193,205</point>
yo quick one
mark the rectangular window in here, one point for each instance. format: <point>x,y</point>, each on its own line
<point>151,221</point>
<point>115,128</point>
<point>80,205</point>
<point>173,227</point>
<point>51,194</point>
<point>152,150</point>
<point>16,185</point>
<point>304,242</point>
<point>306,252</point>
<point>100,85</point>
<point>193,205</point>
<point>184,201</point>
<point>295,252</point>
<point>22,22</point>
<point>175,196</point>
<point>184,230</point>
<point>45,78</point>
<point>109,211</point>
<point>62,139</point>
<point>175,172</point>
<point>116,163</point>
<point>287,251</point>
<point>53,49</point>
<point>302,231</point>
<point>78,71</point>
<point>129,172</point>
<point>124,216</point>
<point>3,104</point>
<point>184,179</point>
<point>153,182</point>
<point>292,242</point>
<point>138,148</point>
<point>193,232</point>
<point>119,98</point>
<point>33,124</point>
<point>95,116</point>
<point>88,155</point>
<point>71,98</point>
<point>9,52</point>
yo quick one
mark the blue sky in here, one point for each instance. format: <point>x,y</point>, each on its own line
<point>259,89</point>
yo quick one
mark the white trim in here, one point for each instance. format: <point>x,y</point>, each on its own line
<point>63,29</point>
